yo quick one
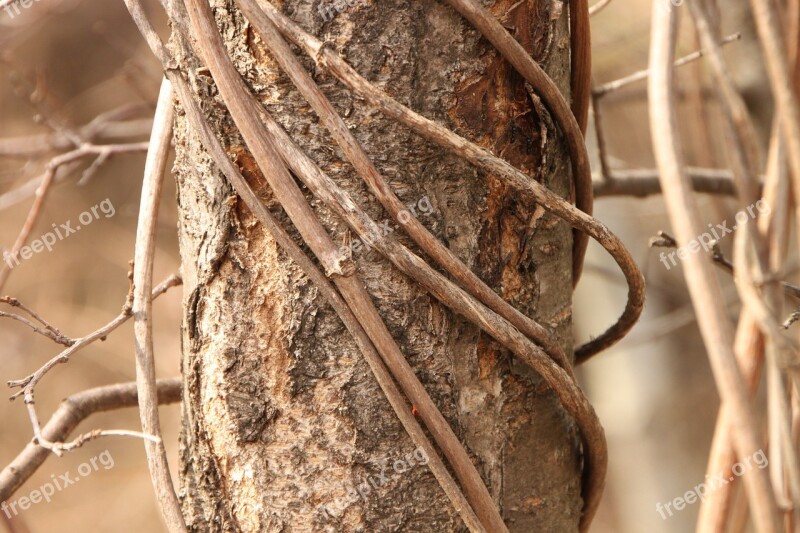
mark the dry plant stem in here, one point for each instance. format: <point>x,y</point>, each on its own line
<point>598,7</point>
<point>28,189</point>
<point>716,507</point>
<point>641,75</point>
<point>547,90</point>
<point>154,170</point>
<point>744,159</point>
<point>771,34</point>
<point>47,181</point>
<point>645,182</point>
<point>703,286</point>
<point>28,384</point>
<point>70,413</point>
<point>602,146</point>
<point>749,348</point>
<point>744,156</point>
<point>65,164</point>
<point>580,61</point>
<point>45,332</point>
<point>245,113</point>
<point>328,59</point>
<point>383,192</point>
<point>373,358</point>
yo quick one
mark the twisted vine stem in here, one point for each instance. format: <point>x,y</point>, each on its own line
<point>276,154</point>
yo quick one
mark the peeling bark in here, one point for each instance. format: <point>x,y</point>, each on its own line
<point>283,422</point>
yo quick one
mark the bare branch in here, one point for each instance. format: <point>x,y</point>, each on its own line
<point>64,165</point>
<point>110,126</point>
<point>70,413</point>
<point>598,7</point>
<point>645,182</point>
<point>49,331</point>
<point>28,384</point>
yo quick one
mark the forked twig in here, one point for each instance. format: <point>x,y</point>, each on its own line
<point>641,75</point>
<point>27,385</point>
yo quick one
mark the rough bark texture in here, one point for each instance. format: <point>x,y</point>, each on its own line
<point>283,422</point>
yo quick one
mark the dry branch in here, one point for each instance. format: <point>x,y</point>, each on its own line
<point>27,385</point>
<point>641,183</point>
<point>70,413</point>
<point>48,179</point>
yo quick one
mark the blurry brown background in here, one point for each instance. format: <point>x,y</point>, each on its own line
<point>653,392</point>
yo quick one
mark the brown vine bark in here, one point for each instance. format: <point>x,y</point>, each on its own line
<point>283,423</point>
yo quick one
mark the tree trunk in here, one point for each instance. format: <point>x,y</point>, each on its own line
<point>285,428</point>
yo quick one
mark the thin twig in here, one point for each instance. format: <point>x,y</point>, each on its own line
<point>598,7</point>
<point>49,334</point>
<point>66,163</point>
<point>602,146</point>
<point>44,187</point>
<point>641,75</point>
<point>665,240</point>
<point>109,126</point>
<point>49,331</point>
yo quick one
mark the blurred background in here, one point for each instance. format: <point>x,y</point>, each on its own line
<point>80,58</point>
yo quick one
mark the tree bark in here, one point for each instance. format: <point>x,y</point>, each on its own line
<point>285,428</point>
